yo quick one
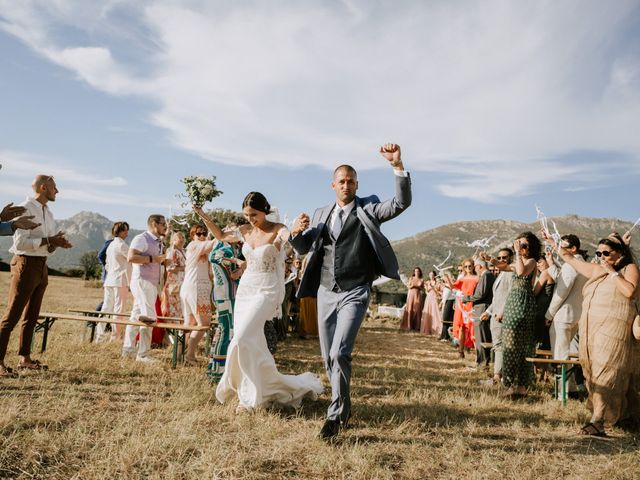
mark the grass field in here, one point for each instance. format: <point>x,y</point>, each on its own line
<point>418,413</point>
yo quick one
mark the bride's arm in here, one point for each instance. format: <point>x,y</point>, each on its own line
<point>228,237</point>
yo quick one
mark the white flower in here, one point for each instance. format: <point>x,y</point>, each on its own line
<point>199,190</point>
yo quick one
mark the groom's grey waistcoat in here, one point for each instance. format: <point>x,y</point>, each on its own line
<point>350,260</point>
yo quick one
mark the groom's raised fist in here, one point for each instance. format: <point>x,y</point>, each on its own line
<point>391,152</point>
<point>300,224</point>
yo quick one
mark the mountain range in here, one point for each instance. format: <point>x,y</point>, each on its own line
<point>88,230</point>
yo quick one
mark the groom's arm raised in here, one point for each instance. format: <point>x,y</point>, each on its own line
<point>301,236</point>
<point>392,208</point>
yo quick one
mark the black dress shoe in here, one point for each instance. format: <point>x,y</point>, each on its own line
<point>330,430</point>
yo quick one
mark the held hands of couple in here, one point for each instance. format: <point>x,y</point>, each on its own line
<point>300,224</point>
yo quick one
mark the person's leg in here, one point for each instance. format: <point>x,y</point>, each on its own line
<point>327,316</point>
<point>496,338</point>
<point>130,333</point>
<point>351,310</point>
<point>33,311</point>
<point>480,360</point>
<point>21,287</point>
<point>108,305</point>
<point>486,338</point>
<point>220,347</point>
<point>148,309</point>
<point>120,300</point>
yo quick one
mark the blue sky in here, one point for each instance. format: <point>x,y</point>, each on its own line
<point>497,105</point>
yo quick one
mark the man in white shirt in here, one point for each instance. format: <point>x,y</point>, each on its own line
<point>29,277</point>
<point>146,255</point>
<point>116,282</point>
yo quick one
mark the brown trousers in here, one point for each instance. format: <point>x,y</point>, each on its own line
<point>29,280</point>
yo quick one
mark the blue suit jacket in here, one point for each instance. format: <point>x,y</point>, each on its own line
<point>372,213</point>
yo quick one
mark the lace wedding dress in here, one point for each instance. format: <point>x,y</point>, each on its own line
<point>250,371</point>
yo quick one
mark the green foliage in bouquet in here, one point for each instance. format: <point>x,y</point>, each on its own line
<point>199,190</point>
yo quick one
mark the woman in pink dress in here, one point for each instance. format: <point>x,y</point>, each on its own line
<point>431,317</point>
<point>413,308</point>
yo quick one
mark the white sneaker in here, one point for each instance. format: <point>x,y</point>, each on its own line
<point>126,354</point>
<point>146,359</point>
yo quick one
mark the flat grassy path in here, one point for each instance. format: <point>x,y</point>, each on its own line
<point>419,412</point>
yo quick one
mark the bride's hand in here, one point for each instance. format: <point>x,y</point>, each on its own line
<point>198,210</point>
<point>301,224</point>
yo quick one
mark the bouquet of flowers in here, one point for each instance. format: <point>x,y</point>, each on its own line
<point>199,190</point>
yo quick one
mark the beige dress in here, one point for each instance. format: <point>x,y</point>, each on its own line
<point>608,351</point>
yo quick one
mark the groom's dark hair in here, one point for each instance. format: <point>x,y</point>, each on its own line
<point>347,168</point>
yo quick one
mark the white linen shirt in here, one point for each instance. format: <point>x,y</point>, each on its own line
<point>28,242</point>
<point>117,265</point>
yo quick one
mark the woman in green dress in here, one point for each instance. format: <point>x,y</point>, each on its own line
<point>518,321</point>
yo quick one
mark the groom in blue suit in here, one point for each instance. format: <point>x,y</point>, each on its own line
<point>346,252</point>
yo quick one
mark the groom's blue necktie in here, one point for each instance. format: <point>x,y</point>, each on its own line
<point>337,224</point>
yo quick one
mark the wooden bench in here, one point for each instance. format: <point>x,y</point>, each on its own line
<point>564,371</point>
<point>176,330</point>
<point>99,313</point>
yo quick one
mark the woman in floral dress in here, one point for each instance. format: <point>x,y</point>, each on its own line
<point>176,260</point>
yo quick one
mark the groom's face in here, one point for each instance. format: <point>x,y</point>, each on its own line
<point>345,184</point>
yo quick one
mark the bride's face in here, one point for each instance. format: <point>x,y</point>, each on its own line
<point>255,217</point>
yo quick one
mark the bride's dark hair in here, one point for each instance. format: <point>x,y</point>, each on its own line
<point>257,201</point>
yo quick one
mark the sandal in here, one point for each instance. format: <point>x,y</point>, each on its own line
<point>593,430</point>
<point>33,365</point>
<point>6,372</point>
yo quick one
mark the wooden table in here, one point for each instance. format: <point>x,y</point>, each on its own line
<point>96,313</point>
<point>564,372</point>
<point>176,330</point>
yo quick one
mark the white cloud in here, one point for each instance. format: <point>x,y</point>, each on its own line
<point>19,169</point>
<point>464,87</point>
<point>26,166</point>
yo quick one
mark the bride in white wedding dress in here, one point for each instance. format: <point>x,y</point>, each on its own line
<point>250,370</point>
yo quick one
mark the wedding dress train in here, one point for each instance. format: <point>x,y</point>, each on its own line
<point>250,371</point>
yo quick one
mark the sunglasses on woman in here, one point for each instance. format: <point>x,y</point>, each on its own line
<point>604,253</point>
<point>201,234</point>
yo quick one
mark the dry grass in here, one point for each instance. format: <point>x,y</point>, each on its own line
<point>419,413</point>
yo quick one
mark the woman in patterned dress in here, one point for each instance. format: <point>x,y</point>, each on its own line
<point>413,307</point>
<point>196,288</point>
<point>518,321</point>
<point>609,354</point>
<point>176,260</point>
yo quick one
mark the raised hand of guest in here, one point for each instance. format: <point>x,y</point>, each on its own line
<point>24,223</point>
<point>11,211</point>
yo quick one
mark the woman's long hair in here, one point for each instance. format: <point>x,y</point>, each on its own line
<point>535,247</point>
